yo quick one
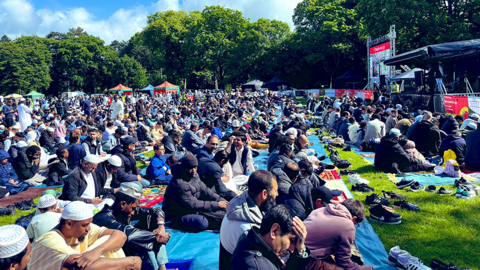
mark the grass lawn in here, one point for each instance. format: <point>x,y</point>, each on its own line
<point>5,220</point>
<point>446,228</point>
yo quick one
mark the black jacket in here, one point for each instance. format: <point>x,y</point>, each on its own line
<point>185,196</point>
<point>139,241</point>
<point>211,175</point>
<point>128,171</point>
<point>272,139</point>
<point>450,125</point>
<point>24,168</point>
<point>102,175</point>
<point>299,197</point>
<point>427,138</point>
<point>252,253</point>
<point>472,158</point>
<point>57,170</point>
<point>284,182</point>
<point>142,136</point>
<point>390,151</point>
<point>46,139</point>
<point>75,185</point>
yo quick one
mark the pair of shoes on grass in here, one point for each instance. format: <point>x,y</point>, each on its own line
<point>404,261</point>
<point>440,191</point>
<point>25,205</point>
<point>439,265</point>
<point>412,184</point>
<point>383,214</point>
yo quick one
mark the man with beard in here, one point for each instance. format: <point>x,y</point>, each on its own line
<point>245,212</point>
<point>147,237</point>
<point>76,243</point>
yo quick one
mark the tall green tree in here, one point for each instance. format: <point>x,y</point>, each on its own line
<point>5,38</point>
<point>129,72</point>
<point>24,66</point>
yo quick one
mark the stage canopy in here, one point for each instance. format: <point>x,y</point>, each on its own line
<point>166,87</point>
<point>148,89</point>
<point>406,76</point>
<point>34,95</point>
<point>276,84</point>
<point>122,90</point>
<point>350,80</point>
<point>435,53</point>
<point>254,85</point>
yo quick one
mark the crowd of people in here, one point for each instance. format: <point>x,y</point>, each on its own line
<point>204,149</point>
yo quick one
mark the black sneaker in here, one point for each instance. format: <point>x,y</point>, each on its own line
<point>361,188</point>
<point>464,182</point>
<point>22,206</point>
<point>31,204</point>
<point>346,172</point>
<point>393,195</point>
<point>7,211</point>
<point>375,199</point>
<point>431,189</point>
<point>444,191</point>
<point>367,186</point>
<point>438,265</point>
<point>417,187</point>
<point>379,214</point>
<point>406,205</point>
<point>405,183</point>
<point>347,148</point>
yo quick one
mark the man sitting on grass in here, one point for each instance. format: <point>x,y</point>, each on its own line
<point>153,237</point>
<point>76,243</point>
<point>47,220</point>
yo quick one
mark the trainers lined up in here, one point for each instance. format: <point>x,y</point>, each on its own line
<point>355,178</point>
<point>379,213</point>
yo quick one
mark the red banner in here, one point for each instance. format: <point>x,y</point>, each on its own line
<point>456,105</point>
<point>380,48</point>
<point>190,97</point>
<point>365,94</point>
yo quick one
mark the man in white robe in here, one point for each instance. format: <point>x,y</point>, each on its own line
<point>117,108</point>
<point>24,114</point>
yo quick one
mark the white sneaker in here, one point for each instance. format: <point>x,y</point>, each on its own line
<point>355,178</point>
<point>415,264</point>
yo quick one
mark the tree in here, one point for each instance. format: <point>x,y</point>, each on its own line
<point>129,72</point>
<point>56,35</point>
<point>329,34</point>
<point>76,32</point>
<point>24,66</point>
<point>5,38</point>
<point>118,46</point>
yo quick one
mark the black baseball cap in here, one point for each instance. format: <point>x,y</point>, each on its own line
<point>322,193</point>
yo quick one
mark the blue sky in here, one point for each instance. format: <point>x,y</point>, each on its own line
<point>119,19</point>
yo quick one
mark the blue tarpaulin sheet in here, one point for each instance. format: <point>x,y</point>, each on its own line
<point>204,247</point>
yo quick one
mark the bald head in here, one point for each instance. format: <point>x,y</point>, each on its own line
<point>303,140</point>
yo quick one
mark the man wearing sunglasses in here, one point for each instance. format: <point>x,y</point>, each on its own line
<point>83,185</point>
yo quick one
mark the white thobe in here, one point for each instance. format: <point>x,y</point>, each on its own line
<point>25,118</point>
<point>117,109</point>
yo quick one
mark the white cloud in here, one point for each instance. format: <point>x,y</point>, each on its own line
<point>19,17</point>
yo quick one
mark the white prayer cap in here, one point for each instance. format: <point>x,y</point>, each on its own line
<point>47,200</point>
<point>76,211</point>
<point>42,126</point>
<point>13,240</point>
<point>472,125</point>
<point>22,144</point>
<point>92,159</point>
<point>22,99</point>
<point>62,140</point>
<point>16,126</point>
<point>115,161</point>
<point>34,121</point>
<point>50,129</point>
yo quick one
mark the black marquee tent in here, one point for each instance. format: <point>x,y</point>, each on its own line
<point>437,52</point>
<point>254,85</point>
<point>276,84</point>
<point>406,76</point>
<point>350,80</point>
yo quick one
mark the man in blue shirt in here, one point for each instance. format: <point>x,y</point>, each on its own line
<point>158,170</point>
<point>8,110</point>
